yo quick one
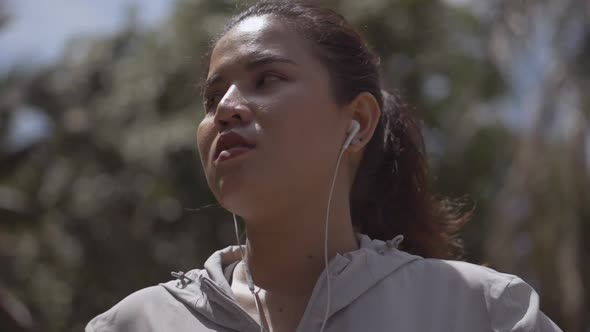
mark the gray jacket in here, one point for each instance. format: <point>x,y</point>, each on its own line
<point>375,288</point>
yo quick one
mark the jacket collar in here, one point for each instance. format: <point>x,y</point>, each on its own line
<point>351,275</point>
<point>207,292</point>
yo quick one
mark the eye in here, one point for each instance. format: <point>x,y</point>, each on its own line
<point>211,101</point>
<point>267,78</point>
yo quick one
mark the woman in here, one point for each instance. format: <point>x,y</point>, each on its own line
<point>301,142</point>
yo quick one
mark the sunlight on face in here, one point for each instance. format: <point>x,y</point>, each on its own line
<point>252,25</point>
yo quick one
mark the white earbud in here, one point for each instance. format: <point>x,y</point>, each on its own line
<point>355,127</point>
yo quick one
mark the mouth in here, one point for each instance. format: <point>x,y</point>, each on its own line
<point>230,145</point>
<point>232,153</point>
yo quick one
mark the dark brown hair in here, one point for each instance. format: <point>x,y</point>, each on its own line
<point>390,194</point>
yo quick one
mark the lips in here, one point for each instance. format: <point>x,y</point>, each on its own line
<point>233,143</point>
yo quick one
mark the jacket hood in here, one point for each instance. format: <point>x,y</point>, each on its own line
<point>351,274</point>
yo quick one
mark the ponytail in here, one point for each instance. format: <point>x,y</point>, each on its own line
<point>391,196</point>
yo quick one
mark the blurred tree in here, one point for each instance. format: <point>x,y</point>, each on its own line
<point>3,15</point>
<point>14,315</point>
<point>541,207</point>
<point>100,184</point>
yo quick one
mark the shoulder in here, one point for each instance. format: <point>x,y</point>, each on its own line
<point>511,303</point>
<point>465,274</point>
<point>465,279</point>
<point>446,280</point>
<point>128,313</point>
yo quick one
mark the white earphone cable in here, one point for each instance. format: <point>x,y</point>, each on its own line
<point>249,280</point>
<point>328,301</point>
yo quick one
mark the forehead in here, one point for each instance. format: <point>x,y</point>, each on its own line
<point>256,35</point>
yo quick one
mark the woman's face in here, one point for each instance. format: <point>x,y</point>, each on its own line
<point>265,85</point>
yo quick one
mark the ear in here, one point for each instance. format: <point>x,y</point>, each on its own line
<point>365,109</point>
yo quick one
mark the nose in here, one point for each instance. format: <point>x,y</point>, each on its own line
<point>232,110</point>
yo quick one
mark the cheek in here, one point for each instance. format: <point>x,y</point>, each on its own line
<point>204,139</point>
<point>306,135</point>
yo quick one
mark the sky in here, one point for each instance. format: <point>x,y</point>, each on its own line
<point>38,29</point>
<point>37,32</point>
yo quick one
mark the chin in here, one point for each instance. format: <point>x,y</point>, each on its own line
<point>238,197</point>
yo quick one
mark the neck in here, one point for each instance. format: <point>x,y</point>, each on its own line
<point>286,254</point>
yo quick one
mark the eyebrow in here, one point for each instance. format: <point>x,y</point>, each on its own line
<point>256,61</point>
<point>264,59</point>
